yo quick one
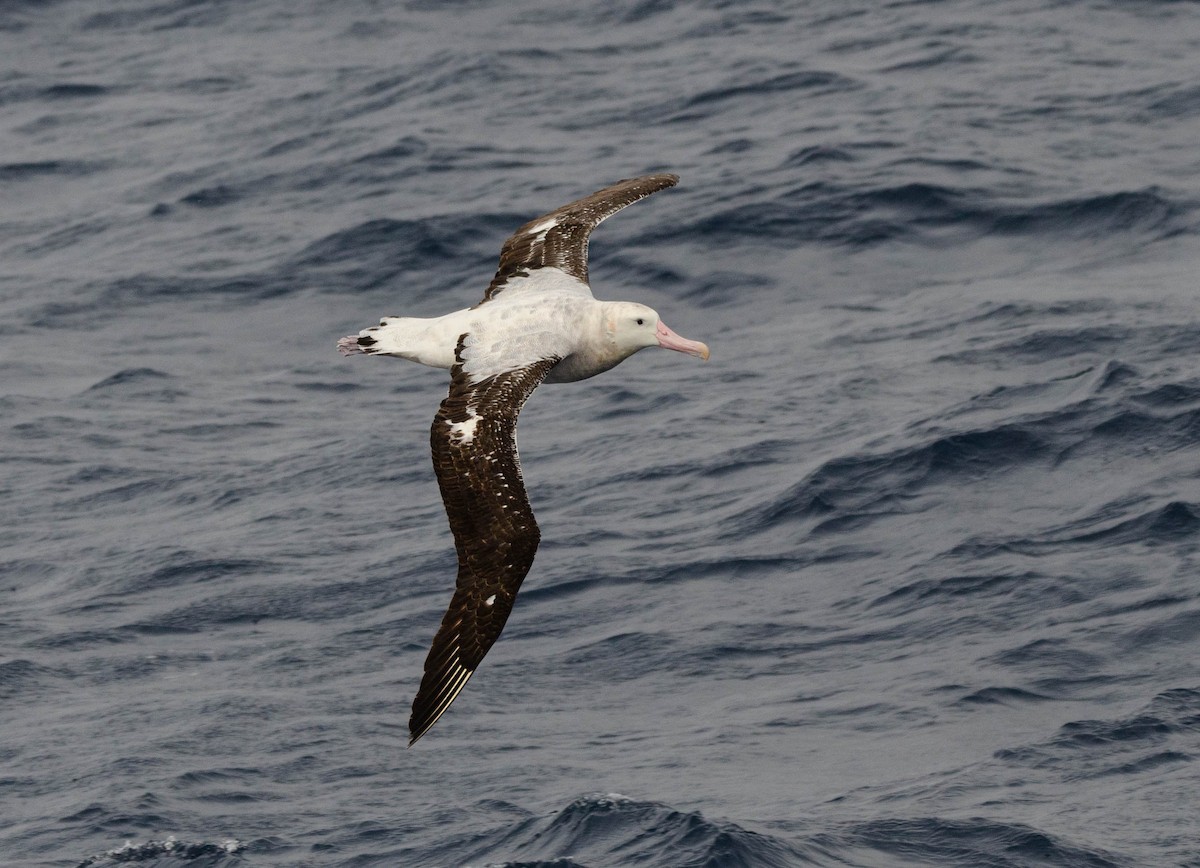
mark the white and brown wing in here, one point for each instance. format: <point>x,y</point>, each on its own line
<point>560,239</point>
<point>479,472</point>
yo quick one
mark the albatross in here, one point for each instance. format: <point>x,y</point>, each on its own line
<point>538,322</point>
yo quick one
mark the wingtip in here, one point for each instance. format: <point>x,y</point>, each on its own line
<point>434,698</point>
<point>668,179</point>
<point>656,181</point>
<point>415,734</point>
<point>415,737</point>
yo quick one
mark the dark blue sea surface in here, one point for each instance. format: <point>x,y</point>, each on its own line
<point>907,575</point>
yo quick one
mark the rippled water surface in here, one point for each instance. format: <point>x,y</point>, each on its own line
<point>906,575</point>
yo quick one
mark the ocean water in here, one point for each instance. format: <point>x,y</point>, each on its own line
<point>906,575</point>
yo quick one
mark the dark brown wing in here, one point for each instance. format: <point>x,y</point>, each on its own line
<point>560,239</point>
<point>479,472</point>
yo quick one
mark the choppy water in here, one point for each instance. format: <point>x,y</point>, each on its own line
<point>906,575</point>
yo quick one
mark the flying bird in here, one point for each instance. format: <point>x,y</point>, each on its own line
<point>538,322</point>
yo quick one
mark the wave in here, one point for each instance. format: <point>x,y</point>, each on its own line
<point>612,829</point>
<point>846,493</point>
<point>1104,413</point>
<point>921,212</point>
<point>815,81</point>
<point>378,250</point>
<point>132,377</point>
<point>25,679</point>
<point>426,257</point>
<point>28,171</point>
<point>615,830</point>
<point>942,841</point>
<point>197,854</point>
<point>1165,732</point>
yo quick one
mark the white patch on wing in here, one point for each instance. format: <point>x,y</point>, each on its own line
<point>462,433</point>
<point>543,227</point>
<point>490,601</point>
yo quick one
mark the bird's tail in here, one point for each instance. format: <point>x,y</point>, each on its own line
<point>391,337</point>
<point>427,341</point>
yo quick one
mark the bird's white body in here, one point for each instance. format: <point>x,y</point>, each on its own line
<point>548,314</point>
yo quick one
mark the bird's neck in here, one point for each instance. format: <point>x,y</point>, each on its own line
<point>596,352</point>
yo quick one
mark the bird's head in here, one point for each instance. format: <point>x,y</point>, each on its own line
<point>633,327</point>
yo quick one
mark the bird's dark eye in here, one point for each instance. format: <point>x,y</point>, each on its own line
<point>641,321</point>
